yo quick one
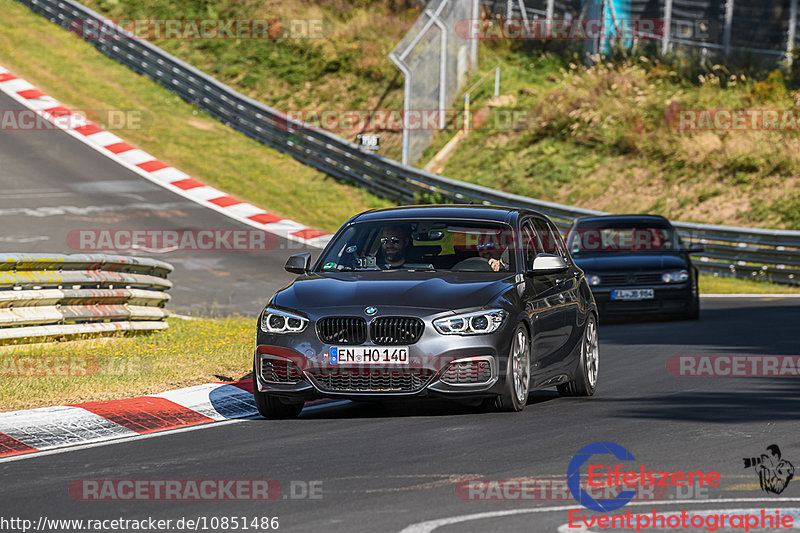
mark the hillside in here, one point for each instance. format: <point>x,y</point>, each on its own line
<point>608,137</point>
<point>335,59</point>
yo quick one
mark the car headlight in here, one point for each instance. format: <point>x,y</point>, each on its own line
<point>593,279</point>
<point>477,323</point>
<point>275,321</point>
<point>675,276</point>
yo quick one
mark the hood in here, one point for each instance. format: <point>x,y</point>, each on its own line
<point>623,262</point>
<point>426,290</point>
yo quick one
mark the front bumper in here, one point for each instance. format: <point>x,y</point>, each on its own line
<point>439,366</point>
<point>667,300</point>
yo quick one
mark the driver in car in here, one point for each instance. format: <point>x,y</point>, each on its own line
<point>394,244</point>
<point>491,250</point>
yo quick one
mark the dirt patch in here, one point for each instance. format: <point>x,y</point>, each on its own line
<point>202,125</point>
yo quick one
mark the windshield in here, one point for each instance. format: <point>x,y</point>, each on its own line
<point>449,245</point>
<point>605,236</point>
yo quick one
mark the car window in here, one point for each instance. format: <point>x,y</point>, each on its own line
<point>530,244</point>
<point>621,236</point>
<point>458,245</point>
<point>549,238</point>
<point>558,241</point>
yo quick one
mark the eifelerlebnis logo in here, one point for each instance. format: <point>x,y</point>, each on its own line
<point>774,472</point>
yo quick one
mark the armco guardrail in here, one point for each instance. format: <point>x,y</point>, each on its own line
<point>741,252</point>
<point>43,295</point>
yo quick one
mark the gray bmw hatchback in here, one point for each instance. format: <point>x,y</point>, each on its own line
<point>472,303</point>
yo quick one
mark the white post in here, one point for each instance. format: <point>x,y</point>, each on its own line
<point>667,27</point>
<point>466,112</point>
<point>726,36</point>
<point>792,31</point>
<point>524,14</point>
<point>442,67</point>
<point>496,83</point>
<point>406,102</point>
<point>476,13</point>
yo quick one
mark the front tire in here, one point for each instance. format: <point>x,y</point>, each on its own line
<point>694,309</point>
<point>271,406</point>
<point>584,382</point>
<point>518,373</point>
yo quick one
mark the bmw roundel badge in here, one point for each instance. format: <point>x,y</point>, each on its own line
<point>371,310</point>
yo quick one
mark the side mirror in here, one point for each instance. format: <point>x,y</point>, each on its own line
<point>693,248</point>
<point>547,264</point>
<point>298,263</point>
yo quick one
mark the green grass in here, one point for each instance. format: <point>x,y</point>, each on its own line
<point>601,138</point>
<point>75,73</point>
<point>346,69</point>
<point>190,352</point>
<point>710,284</point>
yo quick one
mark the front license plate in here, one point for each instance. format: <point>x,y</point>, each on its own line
<point>369,355</point>
<point>632,294</point>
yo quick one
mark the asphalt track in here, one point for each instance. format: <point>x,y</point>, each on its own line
<point>50,184</point>
<point>386,467</point>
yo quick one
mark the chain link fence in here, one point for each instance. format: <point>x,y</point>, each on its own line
<point>435,59</point>
<point>766,31</point>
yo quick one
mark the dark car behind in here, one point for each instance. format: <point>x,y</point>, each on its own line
<point>635,264</point>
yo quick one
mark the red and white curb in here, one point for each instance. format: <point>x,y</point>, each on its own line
<point>55,429</point>
<point>152,168</point>
<point>48,428</point>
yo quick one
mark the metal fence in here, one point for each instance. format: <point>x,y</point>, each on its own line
<point>45,295</point>
<point>710,27</point>
<point>741,252</point>
<point>435,60</point>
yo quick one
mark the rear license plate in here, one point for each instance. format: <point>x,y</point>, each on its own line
<point>369,355</point>
<point>632,294</point>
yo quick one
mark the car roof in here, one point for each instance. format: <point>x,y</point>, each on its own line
<point>495,213</point>
<point>622,218</point>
